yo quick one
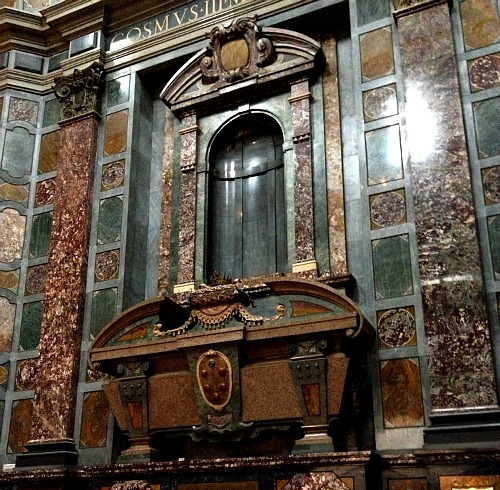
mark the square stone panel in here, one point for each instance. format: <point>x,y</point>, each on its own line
<point>377,57</point>
<point>480,23</point>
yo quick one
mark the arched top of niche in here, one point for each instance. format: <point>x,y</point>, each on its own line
<point>241,60</point>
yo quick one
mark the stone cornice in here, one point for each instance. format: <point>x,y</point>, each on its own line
<point>22,30</point>
<point>31,82</point>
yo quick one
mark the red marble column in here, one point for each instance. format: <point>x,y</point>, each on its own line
<point>58,362</point>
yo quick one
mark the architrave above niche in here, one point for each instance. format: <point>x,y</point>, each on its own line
<point>241,60</point>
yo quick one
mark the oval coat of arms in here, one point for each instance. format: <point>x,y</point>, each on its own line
<point>215,379</point>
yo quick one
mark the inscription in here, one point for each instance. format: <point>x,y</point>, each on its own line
<point>171,19</point>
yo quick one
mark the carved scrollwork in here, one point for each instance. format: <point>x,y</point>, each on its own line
<point>80,93</point>
<point>236,51</point>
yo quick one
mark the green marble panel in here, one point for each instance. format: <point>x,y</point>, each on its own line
<point>487,127</point>
<point>52,112</point>
<point>18,152</point>
<point>494,232</point>
<point>31,326</point>
<point>372,10</point>
<point>118,90</point>
<point>109,228</point>
<point>392,267</point>
<point>383,155</point>
<point>40,235</point>
<point>103,309</point>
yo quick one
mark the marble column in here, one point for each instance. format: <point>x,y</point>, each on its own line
<point>456,326</point>
<point>305,262</point>
<point>58,362</point>
<point>187,225</point>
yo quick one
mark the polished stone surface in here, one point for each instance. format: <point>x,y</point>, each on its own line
<point>480,23</point>
<point>49,152</point>
<point>115,140</point>
<point>17,158</point>
<point>12,229</point>
<point>23,110</point>
<point>377,57</point>
<point>484,72</point>
<point>7,316</point>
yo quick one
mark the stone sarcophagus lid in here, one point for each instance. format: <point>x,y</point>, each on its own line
<point>237,370</point>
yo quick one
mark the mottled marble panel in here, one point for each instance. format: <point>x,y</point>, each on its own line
<point>4,376</point>
<point>392,267</point>
<point>23,110</point>
<point>407,484</point>
<point>118,90</point>
<point>326,480</point>
<point>480,23</point>
<point>1,106</point>
<point>333,159</point>
<point>107,265</point>
<point>401,393</point>
<point>31,326</point>
<point>455,320</point>
<point>17,156</point>
<point>484,72</point>
<point>166,205</point>
<point>9,280</point>
<point>49,152</point>
<point>109,228</point>
<point>51,113</point>
<point>396,327</point>
<point>115,140</point>
<point>45,192</point>
<point>487,125</point>
<point>95,417</point>
<point>372,10</point>
<point>187,227</point>
<point>7,317</point>
<point>491,189</point>
<point>383,154</point>
<point>20,425</point>
<point>387,209</point>
<point>12,192</point>
<point>377,57</point>
<point>113,175</point>
<point>103,309</point>
<point>25,374</point>
<point>380,102</point>
<point>494,233</point>
<point>40,235</point>
<point>12,227</point>
<point>35,279</point>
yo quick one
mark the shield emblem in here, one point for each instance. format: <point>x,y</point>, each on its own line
<point>215,379</point>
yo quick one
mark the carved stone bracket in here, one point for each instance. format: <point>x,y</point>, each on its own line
<point>81,93</point>
<point>236,51</point>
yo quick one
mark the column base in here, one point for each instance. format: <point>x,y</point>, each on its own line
<point>315,440</point>
<point>140,450</point>
<point>184,287</point>
<point>53,453</point>
<point>306,269</point>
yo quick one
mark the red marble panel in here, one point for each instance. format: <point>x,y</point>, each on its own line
<point>45,192</point>
<point>484,72</point>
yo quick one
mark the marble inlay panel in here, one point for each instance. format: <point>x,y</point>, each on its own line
<point>187,228</point>
<point>115,140</point>
<point>333,156</point>
<point>9,280</point>
<point>12,192</point>
<point>494,232</point>
<point>383,154</point>
<point>23,110</point>
<point>387,209</point>
<point>455,319</point>
<point>380,102</point>
<point>413,483</point>
<point>45,192</point>
<point>487,125</point>
<point>35,279</point>
<point>17,156</point>
<point>109,228</point>
<point>106,265</point>
<point>40,235</point>
<point>491,189</point>
<point>372,10</point>
<point>25,374</point>
<point>401,393</point>
<point>20,425</point>
<point>321,480</point>
<point>396,327</point>
<point>95,417</point>
<point>31,326</point>
<point>166,205</point>
<point>7,317</point>
<point>51,113</point>
<point>1,106</point>
<point>377,57</point>
<point>480,23</point>
<point>4,376</point>
<point>12,227</point>
<point>118,90</point>
<point>103,309</point>
<point>49,152</point>
<point>484,72</point>
<point>392,267</point>
<point>113,175</point>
